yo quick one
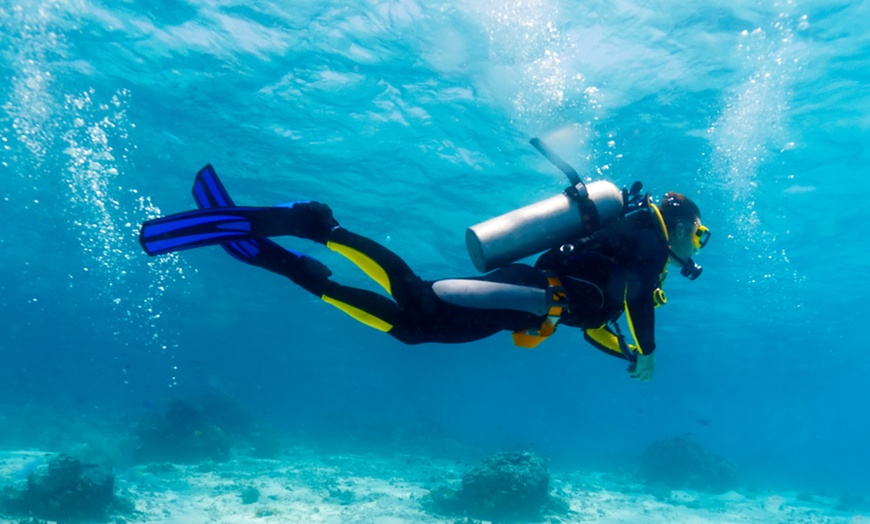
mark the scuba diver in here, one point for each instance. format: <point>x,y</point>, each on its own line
<point>606,252</point>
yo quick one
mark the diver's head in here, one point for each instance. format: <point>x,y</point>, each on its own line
<point>686,234</point>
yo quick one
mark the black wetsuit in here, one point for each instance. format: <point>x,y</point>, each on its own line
<point>415,313</point>
<point>616,269</point>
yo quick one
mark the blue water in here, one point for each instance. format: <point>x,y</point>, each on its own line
<point>412,121</point>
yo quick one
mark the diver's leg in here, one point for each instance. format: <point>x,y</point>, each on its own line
<point>368,307</point>
<point>422,317</point>
<point>305,271</point>
<point>309,219</point>
<point>314,221</point>
<point>243,232</point>
<point>379,263</point>
<point>419,314</point>
<point>516,287</point>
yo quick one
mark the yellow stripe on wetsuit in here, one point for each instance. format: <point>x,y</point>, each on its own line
<point>375,272</point>
<point>364,262</point>
<point>630,323</point>
<point>358,314</point>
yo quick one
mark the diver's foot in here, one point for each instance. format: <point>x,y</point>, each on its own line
<point>321,223</point>
<point>315,269</point>
<point>311,220</point>
<point>309,273</point>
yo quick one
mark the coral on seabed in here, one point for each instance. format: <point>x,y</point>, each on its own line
<point>69,491</point>
<point>207,429</point>
<point>682,463</point>
<point>184,434</point>
<point>505,487</point>
<point>250,495</point>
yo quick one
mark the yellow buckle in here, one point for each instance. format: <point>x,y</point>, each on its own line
<point>659,297</point>
<point>557,297</point>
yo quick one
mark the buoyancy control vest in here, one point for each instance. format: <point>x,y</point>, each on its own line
<point>581,214</point>
<point>597,253</point>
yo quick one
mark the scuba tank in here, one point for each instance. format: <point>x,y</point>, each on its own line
<point>576,212</point>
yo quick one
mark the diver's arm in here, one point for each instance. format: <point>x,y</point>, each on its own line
<point>640,313</point>
<point>639,289</point>
<point>641,318</point>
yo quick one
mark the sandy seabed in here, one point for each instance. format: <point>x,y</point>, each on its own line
<point>305,486</point>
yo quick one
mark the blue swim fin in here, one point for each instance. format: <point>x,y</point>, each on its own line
<point>308,272</point>
<point>202,227</point>
<point>303,218</point>
<point>218,225</point>
<point>209,192</point>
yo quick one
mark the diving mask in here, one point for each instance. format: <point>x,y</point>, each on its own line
<point>689,268</point>
<point>701,237</point>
